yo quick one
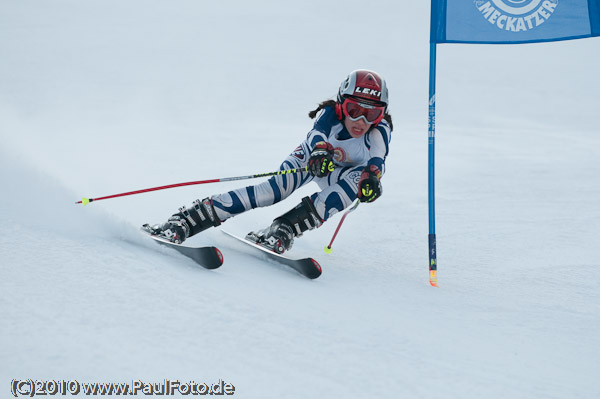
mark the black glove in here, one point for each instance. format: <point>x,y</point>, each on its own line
<point>369,186</point>
<point>321,159</point>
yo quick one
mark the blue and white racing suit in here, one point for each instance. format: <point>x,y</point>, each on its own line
<point>338,189</point>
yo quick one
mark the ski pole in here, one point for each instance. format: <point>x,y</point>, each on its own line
<point>86,201</point>
<point>328,248</point>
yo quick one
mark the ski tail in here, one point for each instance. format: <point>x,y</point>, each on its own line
<point>208,257</point>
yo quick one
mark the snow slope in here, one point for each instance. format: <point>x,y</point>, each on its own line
<point>101,97</point>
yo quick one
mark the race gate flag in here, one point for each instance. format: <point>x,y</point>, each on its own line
<point>513,21</point>
<point>498,22</point>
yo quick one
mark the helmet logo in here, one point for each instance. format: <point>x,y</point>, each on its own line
<point>370,92</point>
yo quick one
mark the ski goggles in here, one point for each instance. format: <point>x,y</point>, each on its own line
<point>356,110</point>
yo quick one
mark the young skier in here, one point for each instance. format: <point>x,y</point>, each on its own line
<point>345,153</point>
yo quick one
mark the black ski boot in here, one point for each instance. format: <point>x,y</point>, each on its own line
<point>187,222</point>
<point>279,237</point>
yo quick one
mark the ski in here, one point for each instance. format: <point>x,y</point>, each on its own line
<point>308,267</point>
<point>207,257</point>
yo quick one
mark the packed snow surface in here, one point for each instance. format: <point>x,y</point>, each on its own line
<point>102,97</point>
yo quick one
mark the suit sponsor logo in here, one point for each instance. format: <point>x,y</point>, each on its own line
<point>299,153</point>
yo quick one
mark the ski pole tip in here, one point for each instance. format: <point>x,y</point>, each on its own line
<point>328,249</point>
<point>85,201</point>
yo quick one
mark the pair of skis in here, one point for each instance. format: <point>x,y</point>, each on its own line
<point>211,258</point>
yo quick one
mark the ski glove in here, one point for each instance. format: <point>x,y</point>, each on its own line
<point>369,186</point>
<point>321,159</point>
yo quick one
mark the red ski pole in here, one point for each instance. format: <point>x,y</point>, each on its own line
<point>328,248</point>
<point>86,201</point>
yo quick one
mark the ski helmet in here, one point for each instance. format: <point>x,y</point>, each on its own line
<point>366,86</point>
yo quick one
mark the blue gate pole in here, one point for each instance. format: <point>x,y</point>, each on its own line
<point>432,244</point>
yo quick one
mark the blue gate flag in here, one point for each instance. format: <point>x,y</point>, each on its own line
<point>513,21</point>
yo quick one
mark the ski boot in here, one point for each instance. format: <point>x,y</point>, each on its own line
<point>279,237</point>
<point>187,222</point>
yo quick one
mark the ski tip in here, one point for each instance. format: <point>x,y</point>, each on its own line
<point>328,249</point>
<point>219,255</point>
<point>316,272</point>
<point>433,278</point>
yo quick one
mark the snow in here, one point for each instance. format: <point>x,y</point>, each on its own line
<point>103,97</point>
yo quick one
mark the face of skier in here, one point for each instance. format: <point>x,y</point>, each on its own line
<point>360,115</point>
<point>356,128</point>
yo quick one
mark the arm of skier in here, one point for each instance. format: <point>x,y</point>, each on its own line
<point>320,162</point>
<point>369,185</point>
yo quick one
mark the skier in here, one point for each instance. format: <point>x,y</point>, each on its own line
<point>345,153</point>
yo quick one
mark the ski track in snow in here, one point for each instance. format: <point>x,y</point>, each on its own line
<point>87,297</point>
<point>90,298</point>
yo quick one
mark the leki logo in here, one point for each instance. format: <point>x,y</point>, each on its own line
<point>516,15</point>
<point>368,91</point>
